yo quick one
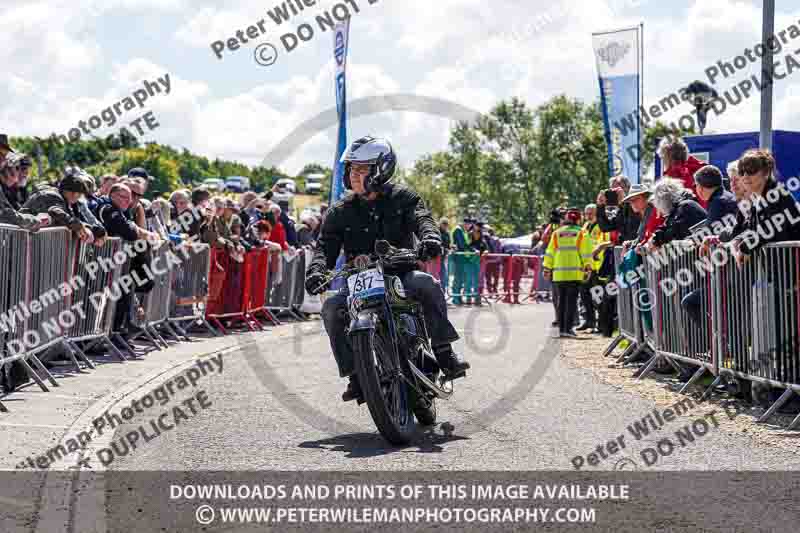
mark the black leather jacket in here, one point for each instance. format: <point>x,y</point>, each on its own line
<point>355,224</point>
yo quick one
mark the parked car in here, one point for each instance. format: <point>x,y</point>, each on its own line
<point>314,183</point>
<point>237,184</point>
<point>214,184</point>
<point>286,185</point>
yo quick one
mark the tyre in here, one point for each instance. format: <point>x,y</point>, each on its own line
<point>385,392</point>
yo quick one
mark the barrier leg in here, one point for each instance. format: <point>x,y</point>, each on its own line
<point>33,375</point>
<point>795,422</point>
<point>167,329</point>
<point>613,345</point>
<point>697,375</point>
<point>107,341</point>
<point>218,323</point>
<point>44,370</point>
<point>72,349</point>
<point>785,397</point>
<point>177,331</point>
<point>710,388</point>
<point>648,367</point>
<point>210,327</point>
<point>628,351</point>
<point>3,408</point>
<point>124,344</point>
<point>270,317</point>
<point>156,335</point>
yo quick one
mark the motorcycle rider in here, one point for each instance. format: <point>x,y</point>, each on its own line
<point>379,210</point>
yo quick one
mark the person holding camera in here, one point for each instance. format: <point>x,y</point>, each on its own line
<point>622,218</point>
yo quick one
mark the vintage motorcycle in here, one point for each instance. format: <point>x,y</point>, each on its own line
<point>396,368</point>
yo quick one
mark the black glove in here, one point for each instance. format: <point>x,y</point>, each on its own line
<point>429,249</point>
<point>315,283</point>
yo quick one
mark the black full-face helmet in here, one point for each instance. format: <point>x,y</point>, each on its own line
<point>376,152</point>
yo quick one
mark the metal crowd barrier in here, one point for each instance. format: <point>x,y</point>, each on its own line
<point>190,287</point>
<point>91,294</point>
<point>629,319</point>
<point>774,354</point>
<point>48,273</point>
<point>256,277</point>
<point>749,315</point>
<point>678,338</point>
<point>14,291</point>
<point>157,301</point>
<point>286,296</point>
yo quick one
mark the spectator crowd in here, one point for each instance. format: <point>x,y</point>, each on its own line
<point>115,206</point>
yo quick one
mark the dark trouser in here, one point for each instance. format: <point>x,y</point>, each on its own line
<point>589,305</point>
<point>567,304</point>
<point>420,286</point>
<point>123,314</point>
<point>554,292</point>
<point>607,315</point>
<point>691,305</point>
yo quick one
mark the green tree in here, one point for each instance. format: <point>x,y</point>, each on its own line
<point>158,164</point>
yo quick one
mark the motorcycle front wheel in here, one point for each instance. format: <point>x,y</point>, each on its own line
<point>385,392</point>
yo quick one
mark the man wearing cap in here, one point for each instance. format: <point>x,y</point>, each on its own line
<point>461,242</point>
<point>708,181</point>
<point>567,261</point>
<point>719,202</point>
<point>61,204</point>
<point>19,193</point>
<point>8,215</point>
<point>288,223</point>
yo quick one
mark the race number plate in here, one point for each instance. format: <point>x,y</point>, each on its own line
<point>366,283</point>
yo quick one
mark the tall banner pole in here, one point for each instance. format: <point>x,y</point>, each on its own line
<point>618,58</point>
<point>341,35</point>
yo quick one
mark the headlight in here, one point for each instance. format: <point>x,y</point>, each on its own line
<point>398,288</point>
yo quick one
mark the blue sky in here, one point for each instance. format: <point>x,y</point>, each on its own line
<point>65,61</point>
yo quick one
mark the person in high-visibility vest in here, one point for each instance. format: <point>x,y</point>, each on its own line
<point>596,237</point>
<point>568,261</point>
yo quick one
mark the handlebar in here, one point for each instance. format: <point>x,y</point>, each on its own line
<point>385,254</point>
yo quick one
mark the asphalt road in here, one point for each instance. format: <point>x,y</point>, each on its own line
<point>277,406</point>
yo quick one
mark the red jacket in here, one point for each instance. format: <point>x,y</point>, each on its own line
<point>278,236</point>
<point>684,171</point>
<point>653,222</point>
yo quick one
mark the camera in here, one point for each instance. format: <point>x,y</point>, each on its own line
<point>611,197</point>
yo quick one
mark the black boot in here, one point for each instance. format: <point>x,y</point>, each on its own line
<point>451,364</point>
<point>353,391</point>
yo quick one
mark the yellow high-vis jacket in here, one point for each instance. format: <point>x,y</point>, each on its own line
<point>567,254</point>
<point>596,236</point>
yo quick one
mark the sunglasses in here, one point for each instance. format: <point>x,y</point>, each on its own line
<point>136,194</point>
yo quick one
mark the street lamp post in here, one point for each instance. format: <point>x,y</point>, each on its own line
<point>702,95</point>
<point>768,29</point>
